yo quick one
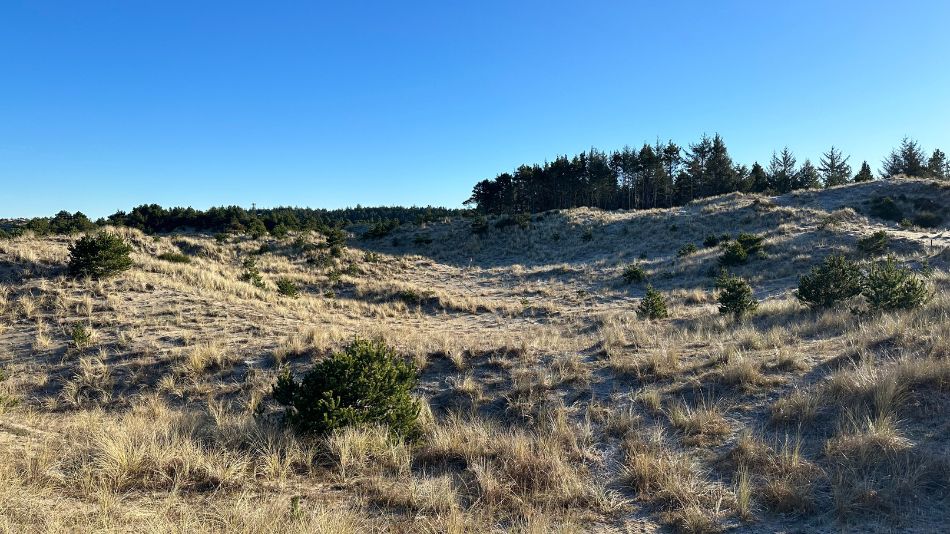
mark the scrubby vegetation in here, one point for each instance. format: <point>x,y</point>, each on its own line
<point>834,281</point>
<point>99,256</point>
<point>514,382</point>
<point>735,296</point>
<point>365,384</point>
<point>653,305</point>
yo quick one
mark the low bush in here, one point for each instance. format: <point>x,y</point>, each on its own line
<point>99,256</point>
<point>479,225</point>
<point>889,286</point>
<point>381,229</point>
<point>686,250</point>
<point>834,281</point>
<point>366,384</point>
<point>175,257</point>
<point>886,208</point>
<point>752,243</point>
<point>735,296</point>
<point>251,273</point>
<point>874,244</point>
<point>713,240</point>
<point>733,254</point>
<point>634,274</point>
<point>287,287</point>
<point>653,305</point>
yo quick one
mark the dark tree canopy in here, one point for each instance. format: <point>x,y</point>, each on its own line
<point>666,174</point>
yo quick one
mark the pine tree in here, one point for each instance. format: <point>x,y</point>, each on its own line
<point>834,168</point>
<point>782,171</point>
<point>720,169</point>
<point>807,177</point>
<point>907,159</point>
<point>758,179</point>
<point>865,174</point>
<point>938,166</point>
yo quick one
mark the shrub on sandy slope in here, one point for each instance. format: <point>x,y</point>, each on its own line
<point>735,296</point>
<point>889,286</point>
<point>366,384</point>
<point>99,256</point>
<point>834,281</point>
<point>653,305</point>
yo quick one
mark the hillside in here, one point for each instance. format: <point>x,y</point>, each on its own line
<point>549,404</point>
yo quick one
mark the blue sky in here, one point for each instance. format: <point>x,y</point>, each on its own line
<point>107,105</point>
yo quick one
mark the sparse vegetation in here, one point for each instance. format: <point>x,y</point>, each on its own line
<point>545,399</point>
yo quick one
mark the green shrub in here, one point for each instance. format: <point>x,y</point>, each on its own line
<point>634,274</point>
<point>834,281</point>
<point>874,244</point>
<point>733,254</point>
<point>381,229</point>
<point>280,231</point>
<point>81,335</point>
<point>336,241</point>
<point>886,208</point>
<point>752,243</point>
<point>99,256</point>
<point>410,296</point>
<point>889,286</point>
<point>588,234</point>
<point>686,250</point>
<point>175,257</point>
<point>653,305</point>
<point>735,296</point>
<point>251,273</point>
<point>287,287</point>
<point>422,239</point>
<point>366,384</point>
<point>712,240</point>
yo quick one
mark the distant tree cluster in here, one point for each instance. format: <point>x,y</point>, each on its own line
<point>152,219</point>
<point>664,175</point>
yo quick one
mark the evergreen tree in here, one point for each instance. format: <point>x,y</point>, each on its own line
<point>782,171</point>
<point>758,179</point>
<point>720,169</point>
<point>807,177</point>
<point>938,166</point>
<point>834,168</point>
<point>907,159</point>
<point>865,174</point>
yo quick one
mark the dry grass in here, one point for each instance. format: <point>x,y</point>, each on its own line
<point>548,406</point>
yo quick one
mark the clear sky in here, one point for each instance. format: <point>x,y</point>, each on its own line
<point>107,105</point>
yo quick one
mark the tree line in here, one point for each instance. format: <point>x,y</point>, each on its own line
<point>666,174</point>
<point>153,219</point>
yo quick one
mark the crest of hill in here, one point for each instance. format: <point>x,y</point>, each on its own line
<point>838,216</point>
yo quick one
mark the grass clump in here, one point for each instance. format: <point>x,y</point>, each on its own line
<point>889,286</point>
<point>886,208</point>
<point>735,296</point>
<point>99,256</point>
<point>634,274</point>
<point>288,288</point>
<point>653,305</point>
<point>364,385</point>
<point>834,281</point>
